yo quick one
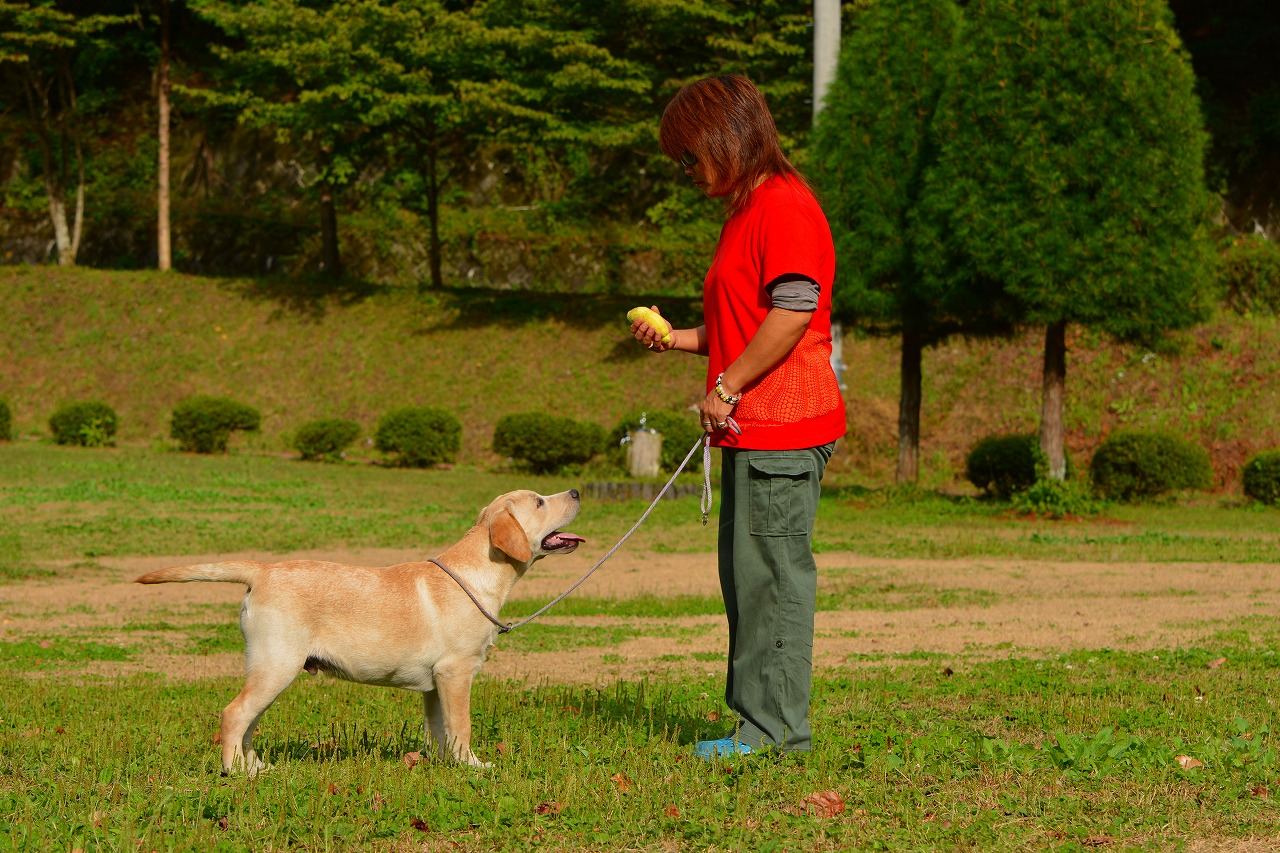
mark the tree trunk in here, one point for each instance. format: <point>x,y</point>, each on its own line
<point>163,241</point>
<point>433,218</point>
<point>909,407</point>
<point>330,259</point>
<point>1054,398</point>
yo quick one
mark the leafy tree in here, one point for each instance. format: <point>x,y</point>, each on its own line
<point>871,146</point>
<point>1070,170</point>
<point>41,63</point>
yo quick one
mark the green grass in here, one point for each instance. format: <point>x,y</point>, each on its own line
<point>996,756</point>
<point>61,505</point>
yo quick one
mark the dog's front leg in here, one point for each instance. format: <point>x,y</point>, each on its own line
<point>454,696</point>
<point>433,723</point>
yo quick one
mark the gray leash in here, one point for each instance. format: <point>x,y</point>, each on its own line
<point>705,506</point>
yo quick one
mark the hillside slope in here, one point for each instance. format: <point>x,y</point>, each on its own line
<point>142,341</point>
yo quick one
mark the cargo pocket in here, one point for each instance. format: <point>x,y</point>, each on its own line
<point>780,495</point>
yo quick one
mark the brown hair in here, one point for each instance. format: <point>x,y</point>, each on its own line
<point>726,120</point>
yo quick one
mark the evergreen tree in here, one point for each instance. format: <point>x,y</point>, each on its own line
<point>1070,170</point>
<point>871,146</point>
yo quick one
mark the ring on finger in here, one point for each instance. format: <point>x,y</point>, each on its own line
<point>720,425</point>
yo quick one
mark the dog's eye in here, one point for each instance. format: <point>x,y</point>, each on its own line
<point>540,503</point>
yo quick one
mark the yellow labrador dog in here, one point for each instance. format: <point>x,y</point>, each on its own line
<point>409,626</point>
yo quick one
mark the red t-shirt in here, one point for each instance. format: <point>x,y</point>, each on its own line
<point>797,403</point>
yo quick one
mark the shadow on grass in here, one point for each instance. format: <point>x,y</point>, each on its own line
<point>309,297</point>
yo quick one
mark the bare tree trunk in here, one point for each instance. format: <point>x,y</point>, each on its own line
<point>330,258</point>
<point>433,218</point>
<point>1054,399</point>
<point>163,240</point>
<point>909,407</point>
<point>58,216</point>
<point>77,227</point>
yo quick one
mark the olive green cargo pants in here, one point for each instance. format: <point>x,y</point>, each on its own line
<point>769,500</point>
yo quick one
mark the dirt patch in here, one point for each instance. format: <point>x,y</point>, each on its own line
<point>956,609</point>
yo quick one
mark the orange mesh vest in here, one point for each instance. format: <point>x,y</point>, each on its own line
<point>797,403</point>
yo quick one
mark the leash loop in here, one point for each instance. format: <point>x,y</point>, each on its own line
<point>705,506</point>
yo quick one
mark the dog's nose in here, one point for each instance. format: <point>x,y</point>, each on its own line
<point>573,493</point>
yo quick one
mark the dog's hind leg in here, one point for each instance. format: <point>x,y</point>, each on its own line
<point>239,718</point>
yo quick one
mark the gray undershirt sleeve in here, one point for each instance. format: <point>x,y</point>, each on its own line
<point>794,292</point>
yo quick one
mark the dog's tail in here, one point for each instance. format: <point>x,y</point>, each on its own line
<point>238,572</point>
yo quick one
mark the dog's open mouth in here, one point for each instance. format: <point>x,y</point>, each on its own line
<point>561,543</point>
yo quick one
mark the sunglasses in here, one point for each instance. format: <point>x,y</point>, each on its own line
<point>688,159</point>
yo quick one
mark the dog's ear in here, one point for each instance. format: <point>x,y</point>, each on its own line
<point>506,534</point>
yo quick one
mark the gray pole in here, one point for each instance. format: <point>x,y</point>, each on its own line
<point>826,50</point>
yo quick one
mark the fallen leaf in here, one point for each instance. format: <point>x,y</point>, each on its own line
<point>621,780</point>
<point>46,644</point>
<point>1055,834</point>
<point>412,759</point>
<point>1186,762</point>
<point>333,788</point>
<point>549,807</point>
<point>217,738</point>
<point>98,819</point>
<point>376,805</point>
<point>31,733</point>
<point>223,823</point>
<point>823,804</point>
<point>1098,841</point>
<point>60,730</point>
<point>419,824</point>
<point>1215,663</point>
<point>502,748</point>
<point>713,716</point>
<point>671,811</point>
<point>948,671</point>
<point>1259,791</point>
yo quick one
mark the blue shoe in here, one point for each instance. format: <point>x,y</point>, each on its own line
<point>726,747</point>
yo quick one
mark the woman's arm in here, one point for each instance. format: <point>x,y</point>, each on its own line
<point>685,340</point>
<point>781,330</point>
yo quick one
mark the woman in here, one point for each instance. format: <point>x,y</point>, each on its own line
<point>773,402</point>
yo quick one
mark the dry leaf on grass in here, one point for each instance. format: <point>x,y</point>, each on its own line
<point>550,807</point>
<point>1215,663</point>
<point>98,819</point>
<point>333,788</point>
<point>823,804</point>
<point>376,805</point>
<point>623,782</point>
<point>1186,762</point>
<point>1098,841</point>
<point>1259,791</point>
<point>419,824</point>
<point>412,759</point>
<point>713,716</point>
<point>671,811</point>
<point>223,823</point>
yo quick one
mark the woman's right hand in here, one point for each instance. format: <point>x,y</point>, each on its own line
<point>651,337</point>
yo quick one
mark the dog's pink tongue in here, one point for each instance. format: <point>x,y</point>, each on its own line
<point>557,541</point>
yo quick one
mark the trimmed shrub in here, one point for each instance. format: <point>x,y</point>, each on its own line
<point>324,440</point>
<point>1249,275</point>
<point>1003,465</point>
<point>203,424</point>
<point>1056,499</point>
<point>545,442</point>
<point>679,431</point>
<point>1132,466</point>
<point>418,437</point>
<point>1261,476</point>
<point>6,422</point>
<point>86,424</point>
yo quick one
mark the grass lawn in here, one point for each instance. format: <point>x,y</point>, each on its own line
<point>1151,749</point>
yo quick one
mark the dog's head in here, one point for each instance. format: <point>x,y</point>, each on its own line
<point>526,525</point>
